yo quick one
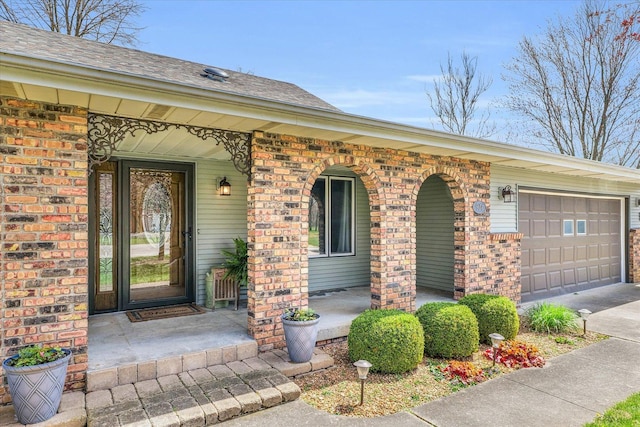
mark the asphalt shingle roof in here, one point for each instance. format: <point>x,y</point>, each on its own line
<point>31,42</point>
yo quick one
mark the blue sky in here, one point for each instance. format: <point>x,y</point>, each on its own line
<point>370,58</point>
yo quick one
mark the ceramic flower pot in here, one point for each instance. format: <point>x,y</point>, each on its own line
<point>36,390</point>
<point>301,338</point>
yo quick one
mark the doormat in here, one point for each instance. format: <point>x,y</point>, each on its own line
<point>145,314</point>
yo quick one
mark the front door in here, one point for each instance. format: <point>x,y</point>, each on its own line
<point>142,256</point>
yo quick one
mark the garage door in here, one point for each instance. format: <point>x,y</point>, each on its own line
<point>569,243</point>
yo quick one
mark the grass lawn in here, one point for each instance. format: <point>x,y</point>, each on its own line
<point>623,414</point>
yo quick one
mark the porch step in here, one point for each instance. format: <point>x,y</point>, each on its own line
<point>203,396</point>
<point>200,396</point>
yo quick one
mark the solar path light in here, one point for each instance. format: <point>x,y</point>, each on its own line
<point>496,339</point>
<point>584,314</point>
<point>363,369</point>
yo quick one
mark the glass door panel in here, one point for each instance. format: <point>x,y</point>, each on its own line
<point>156,238</point>
<point>106,289</point>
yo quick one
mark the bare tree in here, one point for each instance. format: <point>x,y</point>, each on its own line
<point>108,21</point>
<point>578,84</point>
<point>455,98</point>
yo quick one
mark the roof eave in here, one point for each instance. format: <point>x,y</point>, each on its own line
<point>43,72</point>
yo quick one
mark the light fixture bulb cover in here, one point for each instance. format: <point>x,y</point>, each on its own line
<point>224,187</point>
<point>584,313</point>
<point>363,368</point>
<point>496,339</point>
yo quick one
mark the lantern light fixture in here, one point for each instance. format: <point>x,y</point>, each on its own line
<point>506,194</point>
<point>224,187</point>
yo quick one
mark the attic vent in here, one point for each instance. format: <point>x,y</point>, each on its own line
<point>158,111</point>
<point>215,74</point>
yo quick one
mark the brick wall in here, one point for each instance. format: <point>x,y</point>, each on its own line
<point>44,231</point>
<point>634,255</point>
<point>284,170</point>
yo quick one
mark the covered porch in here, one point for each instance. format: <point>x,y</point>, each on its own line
<point>116,342</point>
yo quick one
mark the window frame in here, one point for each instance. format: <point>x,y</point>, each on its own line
<point>578,232</point>
<point>329,179</point>
<point>565,222</point>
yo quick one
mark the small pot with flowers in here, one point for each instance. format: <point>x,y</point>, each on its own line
<point>300,333</point>
<point>36,378</point>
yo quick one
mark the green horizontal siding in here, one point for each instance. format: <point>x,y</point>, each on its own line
<point>434,233</point>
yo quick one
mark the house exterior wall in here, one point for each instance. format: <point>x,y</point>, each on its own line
<point>634,255</point>
<point>43,277</point>
<point>283,172</point>
<point>504,216</point>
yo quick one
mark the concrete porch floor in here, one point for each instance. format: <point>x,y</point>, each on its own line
<point>115,341</point>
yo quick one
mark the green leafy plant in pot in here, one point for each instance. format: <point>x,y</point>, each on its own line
<point>36,381</point>
<point>300,332</point>
<point>236,262</point>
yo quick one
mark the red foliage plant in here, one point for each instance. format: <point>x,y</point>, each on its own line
<point>516,354</point>
<point>465,372</point>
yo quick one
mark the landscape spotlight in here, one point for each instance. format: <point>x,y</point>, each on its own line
<point>496,339</point>
<point>363,369</point>
<point>584,313</point>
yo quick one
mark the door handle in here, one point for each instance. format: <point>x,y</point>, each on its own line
<point>187,234</point>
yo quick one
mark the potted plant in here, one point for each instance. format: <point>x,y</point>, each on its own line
<point>236,262</point>
<point>36,380</point>
<point>300,333</point>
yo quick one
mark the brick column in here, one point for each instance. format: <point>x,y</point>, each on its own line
<point>634,255</point>
<point>44,231</point>
<point>504,262</point>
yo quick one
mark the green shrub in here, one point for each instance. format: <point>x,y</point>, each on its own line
<point>546,317</point>
<point>450,329</point>
<point>391,340</point>
<point>494,314</point>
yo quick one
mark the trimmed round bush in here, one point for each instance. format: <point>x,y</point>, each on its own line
<point>494,314</point>
<point>392,340</point>
<point>450,329</point>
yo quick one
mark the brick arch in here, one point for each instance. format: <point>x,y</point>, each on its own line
<point>460,196</point>
<point>373,185</point>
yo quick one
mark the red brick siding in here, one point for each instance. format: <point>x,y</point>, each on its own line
<point>284,170</point>
<point>44,231</point>
<point>634,255</point>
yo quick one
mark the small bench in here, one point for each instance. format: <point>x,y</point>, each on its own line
<point>224,289</point>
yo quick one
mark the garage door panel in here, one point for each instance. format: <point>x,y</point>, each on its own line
<point>539,228</point>
<point>539,257</point>
<point>555,279</point>
<point>582,275</point>
<point>554,228</point>
<point>553,262</point>
<point>581,253</point>
<point>568,254</point>
<point>554,256</point>
<point>538,203</point>
<point>569,276</point>
<point>539,282</point>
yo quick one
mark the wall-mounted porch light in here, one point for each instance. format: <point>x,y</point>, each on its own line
<point>506,194</point>
<point>363,369</point>
<point>224,187</point>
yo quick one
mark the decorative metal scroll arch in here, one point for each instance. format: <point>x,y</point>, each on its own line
<point>106,131</point>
